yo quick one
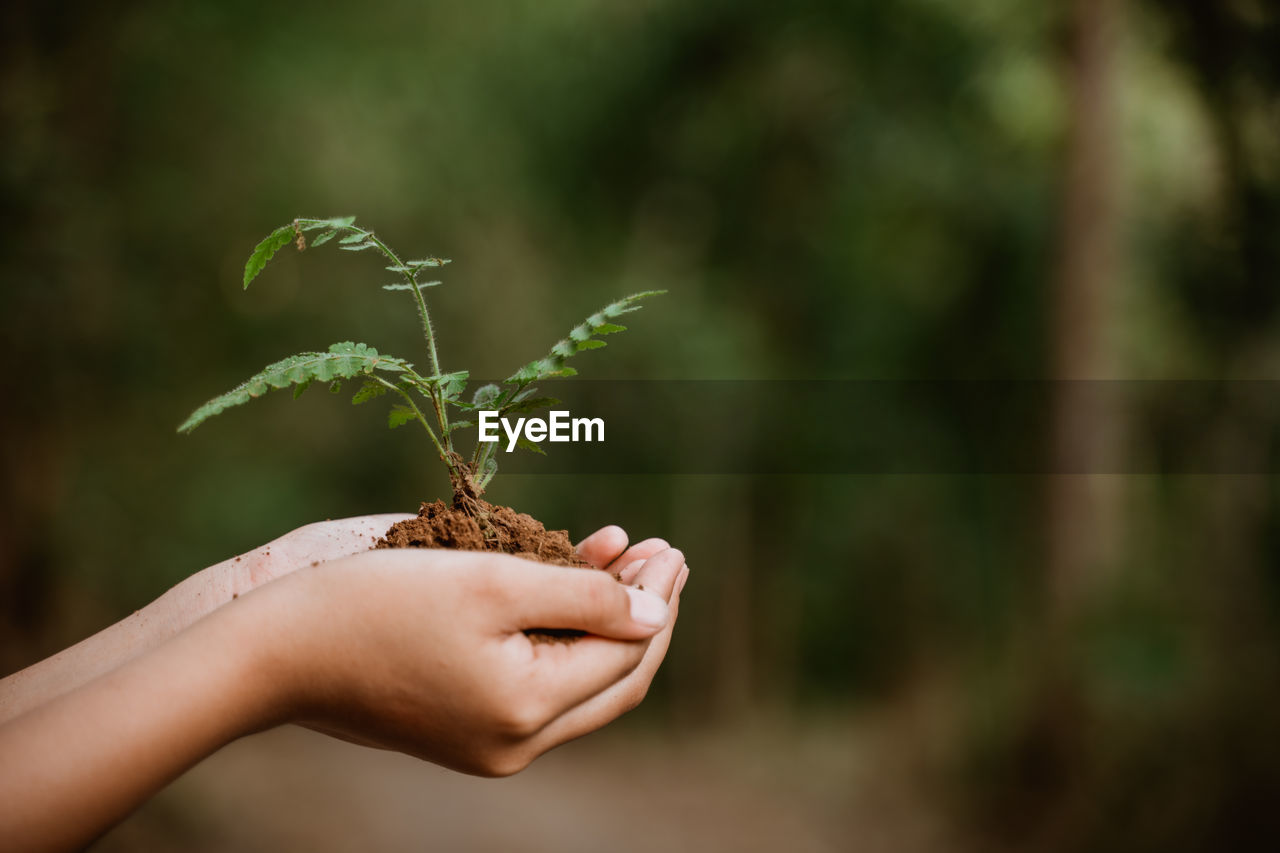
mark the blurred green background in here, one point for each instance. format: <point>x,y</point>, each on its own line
<point>830,189</point>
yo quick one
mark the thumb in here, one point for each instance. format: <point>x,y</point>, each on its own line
<point>588,601</point>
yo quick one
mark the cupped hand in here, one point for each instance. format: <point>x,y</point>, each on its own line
<point>322,541</point>
<point>309,545</point>
<point>420,651</point>
<point>424,652</point>
<point>607,549</point>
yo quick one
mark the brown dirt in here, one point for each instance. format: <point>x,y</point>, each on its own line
<point>511,532</point>
<point>440,526</point>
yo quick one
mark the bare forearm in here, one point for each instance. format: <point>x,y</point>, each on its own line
<point>180,607</point>
<point>143,630</point>
<point>83,761</point>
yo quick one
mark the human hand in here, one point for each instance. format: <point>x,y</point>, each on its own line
<point>322,541</point>
<point>318,542</point>
<point>419,651</point>
<point>425,652</point>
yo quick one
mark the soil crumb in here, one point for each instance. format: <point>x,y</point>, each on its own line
<point>441,526</point>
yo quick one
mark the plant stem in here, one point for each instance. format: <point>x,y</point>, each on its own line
<point>432,390</point>
<point>412,278</point>
<point>428,332</point>
<point>422,419</point>
<point>437,402</point>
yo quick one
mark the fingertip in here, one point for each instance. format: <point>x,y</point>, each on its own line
<point>682,579</point>
<point>659,572</point>
<point>673,557</point>
<point>641,551</point>
<point>601,547</point>
<point>647,610</point>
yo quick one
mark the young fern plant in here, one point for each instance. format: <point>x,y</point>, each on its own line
<point>428,397</point>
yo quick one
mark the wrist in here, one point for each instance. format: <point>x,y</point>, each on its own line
<point>90,756</point>
<point>255,648</point>
<point>271,633</point>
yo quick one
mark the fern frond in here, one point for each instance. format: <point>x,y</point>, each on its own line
<point>450,385</point>
<point>266,250</point>
<point>344,360</point>
<point>369,391</point>
<point>400,285</point>
<point>336,223</point>
<point>484,396</point>
<point>399,416</point>
<point>532,404</point>
<point>526,444</point>
<point>416,266</point>
<point>582,337</point>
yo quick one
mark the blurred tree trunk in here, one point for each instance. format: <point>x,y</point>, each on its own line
<point>716,681</point>
<point>64,136</point>
<point>28,497</point>
<point>1080,523</point>
<point>1048,781</point>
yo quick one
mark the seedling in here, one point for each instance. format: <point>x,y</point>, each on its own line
<point>427,397</point>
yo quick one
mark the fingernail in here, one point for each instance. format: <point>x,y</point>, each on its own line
<point>647,609</point>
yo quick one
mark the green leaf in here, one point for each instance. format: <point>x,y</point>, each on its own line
<point>414,267</point>
<point>528,373</point>
<point>369,391</point>
<point>399,416</point>
<point>529,405</point>
<point>323,238</point>
<point>451,384</point>
<point>529,445</point>
<point>300,387</point>
<point>454,389</point>
<point>404,285</point>
<point>359,247</point>
<point>265,251</point>
<point>628,304</point>
<point>335,387</point>
<point>357,237</point>
<point>581,338</point>
<point>337,223</point>
<point>485,395</point>
<point>344,360</point>
<point>460,425</point>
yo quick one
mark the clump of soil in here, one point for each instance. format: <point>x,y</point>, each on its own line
<point>509,532</point>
